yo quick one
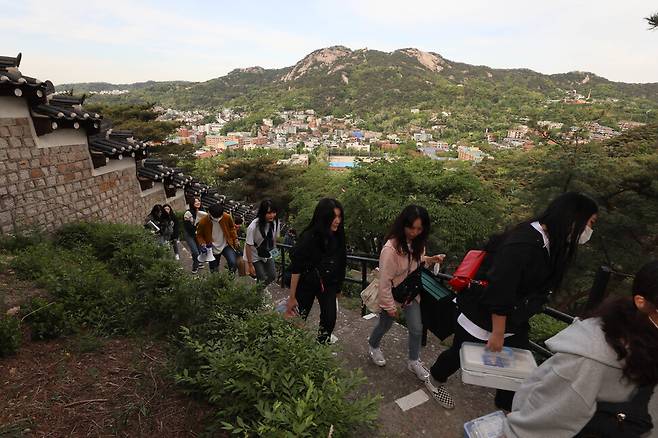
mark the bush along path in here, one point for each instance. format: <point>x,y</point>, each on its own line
<point>249,371</point>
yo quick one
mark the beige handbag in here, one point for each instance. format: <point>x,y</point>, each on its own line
<point>370,295</point>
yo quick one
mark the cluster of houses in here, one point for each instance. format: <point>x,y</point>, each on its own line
<point>299,131</point>
<point>303,131</point>
<point>521,136</point>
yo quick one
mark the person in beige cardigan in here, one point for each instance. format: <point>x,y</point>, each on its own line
<point>403,252</point>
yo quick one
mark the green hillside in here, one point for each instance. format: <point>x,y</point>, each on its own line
<point>381,88</point>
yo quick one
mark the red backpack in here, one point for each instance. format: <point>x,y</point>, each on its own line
<point>467,269</point>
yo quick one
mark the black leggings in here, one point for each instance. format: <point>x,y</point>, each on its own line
<point>327,300</point>
<point>448,361</point>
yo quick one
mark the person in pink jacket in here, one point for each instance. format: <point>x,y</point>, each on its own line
<point>403,252</point>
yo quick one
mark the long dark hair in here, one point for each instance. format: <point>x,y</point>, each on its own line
<point>157,211</point>
<point>323,216</point>
<point>265,207</point>
<point>630,333</point>
<point>171,215</point>
<point>191,206</point>
<point>404,220</point>
<point>565,219</point>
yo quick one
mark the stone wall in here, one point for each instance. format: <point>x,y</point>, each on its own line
<point>50,180</point>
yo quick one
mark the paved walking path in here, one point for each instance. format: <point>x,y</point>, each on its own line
<point>394,381</point>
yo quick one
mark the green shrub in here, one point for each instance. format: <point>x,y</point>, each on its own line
<point>13,243</point>
<point>139,257</point>
<point>139,285</point>
<point>47,320</point>
<point>163,298</point>
<point>92,297</point>
<point>104,239</point>
<point>31,262</point>
<point>543,327</point>
<point>223,293</point>
<point>10,335</point>
<point>271,378</point>
<point>217,298</point>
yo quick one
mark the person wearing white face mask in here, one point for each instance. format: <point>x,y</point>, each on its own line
<point>609,357</point>
<point>523,265</point>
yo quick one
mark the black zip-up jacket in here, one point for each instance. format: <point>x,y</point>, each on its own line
<point>315,253</point>
<point>188,227</point>
<point>519,276</point>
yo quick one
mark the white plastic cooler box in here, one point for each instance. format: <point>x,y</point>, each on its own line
<point>506,370</point>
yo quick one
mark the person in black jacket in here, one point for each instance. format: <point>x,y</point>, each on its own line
<point>318,263</point>
<point>172,226</point>
<point>522,267</point>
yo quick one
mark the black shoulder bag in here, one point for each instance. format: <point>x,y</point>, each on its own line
<point>264,249</point>
<point>630,419</point>
<point>410,287</point>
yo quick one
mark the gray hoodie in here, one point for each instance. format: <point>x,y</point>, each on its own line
<point>560,396</point>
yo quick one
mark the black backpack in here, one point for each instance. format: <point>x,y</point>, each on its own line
<point>630,419</point>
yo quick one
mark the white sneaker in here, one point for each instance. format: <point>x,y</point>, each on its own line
<point>440,394</point>
<point>377,356</point>
<point>417,367</point>
<point>176,256</point>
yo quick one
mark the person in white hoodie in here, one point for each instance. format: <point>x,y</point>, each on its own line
<point>603,358</point>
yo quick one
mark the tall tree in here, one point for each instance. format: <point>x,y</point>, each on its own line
<point>653,20</point>
<point>464,209</point>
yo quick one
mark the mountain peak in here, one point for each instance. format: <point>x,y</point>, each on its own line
<point>317,59</point>
<point>255,69</point>
<point>431,61</point>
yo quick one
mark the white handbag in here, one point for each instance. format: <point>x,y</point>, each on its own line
<point>370,295</point>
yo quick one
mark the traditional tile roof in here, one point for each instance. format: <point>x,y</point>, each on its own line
<point>67,112</point>
<point>50,112</point>
<point>195,188</point>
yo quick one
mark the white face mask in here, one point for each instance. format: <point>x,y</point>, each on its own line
<point>585,235</point>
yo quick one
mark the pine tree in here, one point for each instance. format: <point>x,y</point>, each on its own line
<point>653,20</point>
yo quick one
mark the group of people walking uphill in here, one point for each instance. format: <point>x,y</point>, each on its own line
<point>609,356</point>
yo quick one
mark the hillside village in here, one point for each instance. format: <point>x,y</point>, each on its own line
<point>305,132</point>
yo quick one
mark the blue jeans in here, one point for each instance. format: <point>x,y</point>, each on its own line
<point>414,325</point>
<point>194,250</point>
<point>231,259</point>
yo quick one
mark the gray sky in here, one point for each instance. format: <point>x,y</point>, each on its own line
<point>133,40</point>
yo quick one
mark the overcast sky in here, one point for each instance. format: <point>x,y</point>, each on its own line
<point>123,41</point>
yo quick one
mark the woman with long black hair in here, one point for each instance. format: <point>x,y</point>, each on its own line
<point>522,267</point>
<point>318,263</point>
<point>261,240</point>
<point>609,357</point>
<point>172,228</point>
<point>402,254</point>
